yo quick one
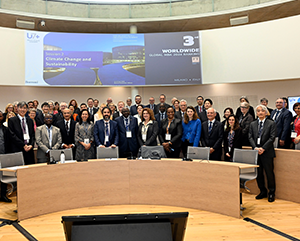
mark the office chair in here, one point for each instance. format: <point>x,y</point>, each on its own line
<point>107,152</point>
<point>201,153</point>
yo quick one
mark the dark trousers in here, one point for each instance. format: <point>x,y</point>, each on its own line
<point>266,165</point>
<point>184,147</point>
<point>3,189</point>
<point>173,154</point>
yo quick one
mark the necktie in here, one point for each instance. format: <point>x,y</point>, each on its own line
<point>24,129</point>
<point>210,127</point>
<point>276,115</point>
<point>106,129</point>
<point>49,137</point>
<point>260,128</point>
<point>91,111</point>
<point>200,109</point>
<point>126,124</point>
<point>67,127</point>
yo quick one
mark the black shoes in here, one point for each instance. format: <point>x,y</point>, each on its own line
<point>5,199</point>
<point>271,197</point>
<point>261,195</point>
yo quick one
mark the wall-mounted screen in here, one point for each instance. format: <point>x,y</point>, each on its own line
<point>65,59</point>
<point>292,101</point>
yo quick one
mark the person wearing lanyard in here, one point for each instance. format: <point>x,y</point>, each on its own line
<point>170,134</point>
<point>84,138</point>
<point>232,137</point>
<point>106,132</point>
<point>191,126</point>
<point>48,137</point>
<point>295,134</point>
<point>262,133</point>
<point>128,129</point>
<point>21,132</point>
<point>148,129</point>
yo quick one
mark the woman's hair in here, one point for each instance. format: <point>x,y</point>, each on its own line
<point>236,123</point>
<point>245,98</point>
<point>296,105</point>
<point>186,118</point>
<point>230,109</point>
<point>150,113</point>
<point>76,104</point>
<point>80,119</point>
<point>9,105</point>
<point>10,113</point>
<point>56,103</point>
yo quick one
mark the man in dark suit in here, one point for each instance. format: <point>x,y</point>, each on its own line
<point>59,116</point>
<point>67,131</point>
<point>264,101</point>
<point>283,119</point>
<point>212,135</point>
<point>138,101</point>
<point>106,132</point>
<point>161,115</point>
<point>40,117</point>
<point>262,134</point>
<point>199,107</point>
<point>118,113</point>
<point>21,134</point>
<point>203,115</point>
<point>183,106</point>
<point>91,109</point>
<point>128,128</point>
<point>162,100</point>
<point>152,106</point>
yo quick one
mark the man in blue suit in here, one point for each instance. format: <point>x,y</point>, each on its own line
<point>283,119</point>
<point>133,108</point>
<point>106,131</point>
<point>128,129</point>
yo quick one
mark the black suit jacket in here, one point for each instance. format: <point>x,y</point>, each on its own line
<point>56,118</point>
<point>116,115</point>
<point>155,110</point>
<point>152,133</point>
<point>157,118</point>
<point>237,142</point>
<point>238,112</point>
<point>283,124</point>
<point>197,110</point>
<point>6,139</point>
<point>213,139</point>
<point>175,130</point>
<point>267,137</point>
<point>16,138</point>
<point>203,116</point>
<point>67,137</point>
<point>128,144</point>
<point>245,125</point>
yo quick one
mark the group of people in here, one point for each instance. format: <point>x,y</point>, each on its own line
<point>129,126</point>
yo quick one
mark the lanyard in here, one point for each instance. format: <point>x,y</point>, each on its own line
<point>168,127</point>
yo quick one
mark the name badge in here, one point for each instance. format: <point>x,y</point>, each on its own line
<point>168,137</point>
<point>229,149</point>
<point>293,134</point>
<point>86,141</point>
<point>144,137</point>
<point>26,137</point>
<point>106,139</point>
<point>128,134</point>
<point>258,141</point>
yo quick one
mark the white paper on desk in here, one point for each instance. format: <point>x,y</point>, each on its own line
<point>297,146</point>
<point>71,161</point>
<point>15,167</point>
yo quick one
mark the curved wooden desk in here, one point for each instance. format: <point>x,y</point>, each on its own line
<point>207,186</point>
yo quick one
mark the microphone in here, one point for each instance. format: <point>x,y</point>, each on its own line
<point>188,159</point>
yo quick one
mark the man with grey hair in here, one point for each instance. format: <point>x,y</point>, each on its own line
<point>21,133</point>
<point>262,134</point>
<point>212,135</point>
<point>59,116</point>
<point>283,118</point>
<point>183,107</point>
<point>152,105</point>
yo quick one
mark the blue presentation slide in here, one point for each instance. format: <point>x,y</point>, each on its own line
<point>72,59</point>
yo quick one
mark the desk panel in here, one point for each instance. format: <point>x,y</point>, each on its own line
<point>204,186</point>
